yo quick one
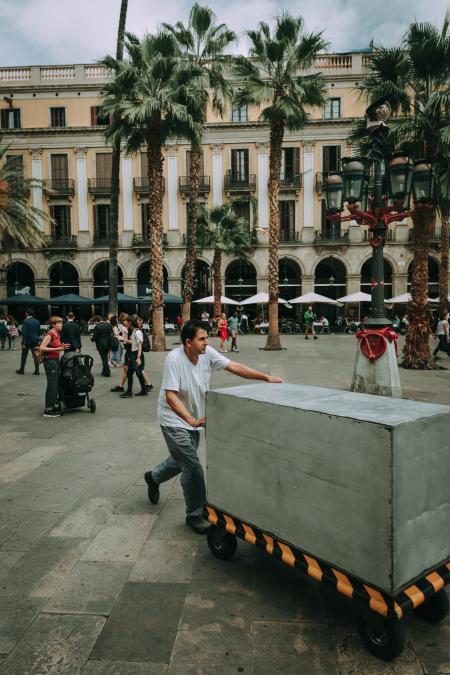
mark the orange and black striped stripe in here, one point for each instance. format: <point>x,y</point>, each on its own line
<point>367,597</point>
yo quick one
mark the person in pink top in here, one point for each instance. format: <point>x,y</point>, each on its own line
<point>52,347</point>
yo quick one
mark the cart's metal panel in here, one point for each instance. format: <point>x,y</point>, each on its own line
<point>315,467</point>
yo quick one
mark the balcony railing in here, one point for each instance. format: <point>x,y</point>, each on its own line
<point>291,183</point>
<point>61,241</point>
<point>434,235</point>
<point>140,186</point>
<point>143,241</point>
<point>329,238</point>
<point>288,237</point>
<point>59,187</point>
<point>390,235</point>
<point>98,187</point>
<point>101,240</point>
<point>184,183</point>
<point>240,182</point>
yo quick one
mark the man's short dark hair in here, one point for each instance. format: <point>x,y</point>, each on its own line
<point>97,318</point>
<point>190,328</point>
<point>70,315</point>
<point>30,311</point>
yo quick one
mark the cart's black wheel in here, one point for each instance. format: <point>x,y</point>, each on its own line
<point>435,609</point>
<point>62,408</point>
<point>92,405</point>
<point>222,544</point>
<point>387,641</point>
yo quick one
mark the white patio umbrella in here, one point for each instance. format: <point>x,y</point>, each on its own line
<point>310,298</point>
<point>209,300</point>
<point>437,299</point>
<point>358,297</point>
<point>405,298</point>
<point>260,299</point>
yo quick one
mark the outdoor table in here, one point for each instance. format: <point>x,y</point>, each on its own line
<point>169,328</point>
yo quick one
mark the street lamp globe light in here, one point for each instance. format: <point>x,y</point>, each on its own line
<point>423,181</point>
<point>333,186</point>
<point>400,173</point>
<point>355,178</point>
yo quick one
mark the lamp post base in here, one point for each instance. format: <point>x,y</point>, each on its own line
<point>380,377</point>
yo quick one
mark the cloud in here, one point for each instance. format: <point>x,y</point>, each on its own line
<point>64,31</point>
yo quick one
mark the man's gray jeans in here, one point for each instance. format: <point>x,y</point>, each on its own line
<point>183,446</point>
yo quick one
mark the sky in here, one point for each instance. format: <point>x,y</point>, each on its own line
<point>45,32</point>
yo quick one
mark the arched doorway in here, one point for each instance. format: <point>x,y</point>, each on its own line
<point>101,279</point>
<point>330,281</point>
<point>143,279</point>
<point>433,277</point>
<point>366,278</point>
<point>202,280</point>
<point>240,280</point>
<point>19,279</point>
<point>289,279</point>
<point>63,279</point>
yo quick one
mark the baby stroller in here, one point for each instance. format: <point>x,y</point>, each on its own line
<point>75,382</point>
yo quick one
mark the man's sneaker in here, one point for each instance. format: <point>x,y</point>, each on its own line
<point>51,413</point>
<point>197,524</point>
<point>142,393</point>
<point>153,488</point>
<point>20,372</point>
<point>316,337</point>
<point>117,388</point>
<point>127,394</point>
<point>149,387</point>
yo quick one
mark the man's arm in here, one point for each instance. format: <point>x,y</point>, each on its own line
<point>180,409</point>
<point>251,374</point>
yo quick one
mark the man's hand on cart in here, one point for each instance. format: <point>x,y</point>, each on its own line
<point>199,422</point>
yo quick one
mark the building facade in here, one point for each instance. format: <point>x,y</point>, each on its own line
<point>50,117</point>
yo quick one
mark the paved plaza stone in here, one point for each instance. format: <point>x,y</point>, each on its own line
<point>96,580</point>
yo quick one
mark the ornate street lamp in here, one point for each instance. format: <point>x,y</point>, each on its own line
<point>351,185</point>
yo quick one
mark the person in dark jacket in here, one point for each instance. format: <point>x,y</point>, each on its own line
<point>31,337</point>
<point>71,333</point>
<point>102,337</point>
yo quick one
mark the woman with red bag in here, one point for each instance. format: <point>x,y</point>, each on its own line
<point>51,348</point>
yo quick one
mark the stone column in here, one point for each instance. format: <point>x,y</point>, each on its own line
<point>399,284</point>
<point>86,287</point>
<point>82,200</point>
<point>307,283</point>
<point>263,184</point>
<point>172,186</point>
<point>217,174</point>
<point>36,172</point>
<point>42,287</point>
<point>353,284</point>
<point>308,192</point>
<point>127,194</point>
<point>130,286</point>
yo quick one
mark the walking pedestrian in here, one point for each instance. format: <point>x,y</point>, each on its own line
<point>116,355</point>
<point>233,327</point>
<point>309,318</point>
<point>3,331</point>
<point>101,336</point>
<point>223,331</point>
<point>125,339</point>
<point>31,337</point>
<point>71,333</point>
<point>181,414</point>
<point>52,347</point>
<point>13,332</point>
<point>135,357</point>
<point>442,336</point>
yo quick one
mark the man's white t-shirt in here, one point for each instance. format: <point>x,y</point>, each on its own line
<point>190,381</point>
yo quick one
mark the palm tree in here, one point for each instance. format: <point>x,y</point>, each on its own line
<point>222,230</point>
<point>144,101</point>
<point>271,79</point>
<point>444,211</point>
<point>202,44</point>
<point>19,221</point>
<point>414,77</point>
<point>115,183</point>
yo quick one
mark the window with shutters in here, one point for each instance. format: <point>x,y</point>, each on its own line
<point>60,167</point>
<point>16,162</point>
<point>331,158</point>
<point>239,164</point>
<point>97,117</point>
<point>61,228</point>
<point>57,117</point>
<point>144,165</point>
<point>242,210</point>
<point>239,113</point>
<point>287,220</point>
<point>332,109</point>
<point>101,222</point>
<point>290,164</point>
<point>10,118</point>
<point>103,164</point>
<point>145,222</point>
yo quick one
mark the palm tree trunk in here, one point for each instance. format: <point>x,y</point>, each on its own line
<point>115,186</point>
<point>191,250</point>
<point>276,144</point>
<point>155,181</point>
<point>416,352</point>
<point>443,272</point>
<point>217,272</point>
